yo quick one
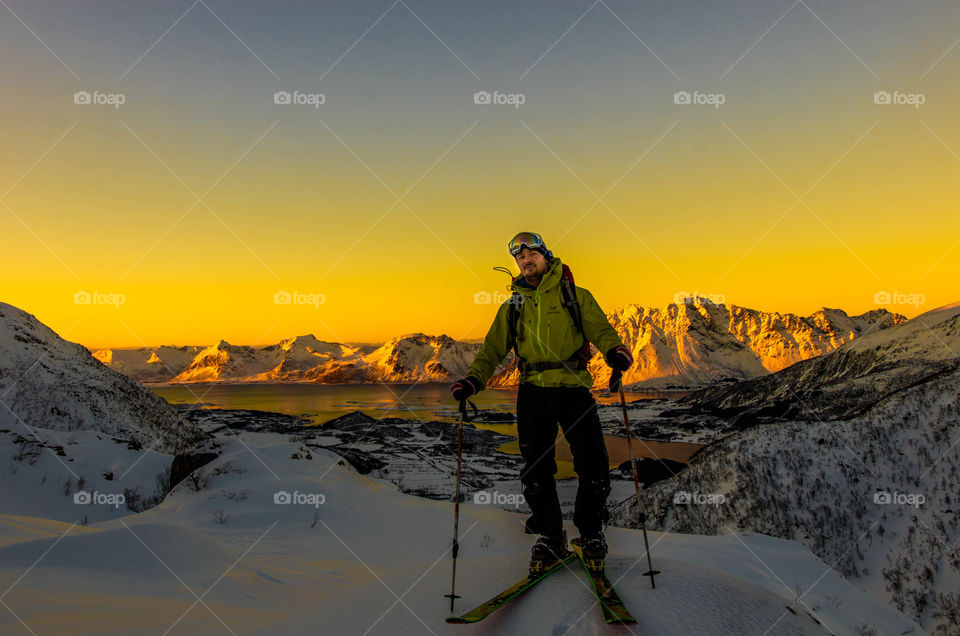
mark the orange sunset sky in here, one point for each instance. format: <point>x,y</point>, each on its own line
<point>185,210</point>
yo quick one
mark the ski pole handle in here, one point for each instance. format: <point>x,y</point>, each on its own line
<point>616,381</point>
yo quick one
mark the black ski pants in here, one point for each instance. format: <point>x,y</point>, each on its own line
<point>539,411</point>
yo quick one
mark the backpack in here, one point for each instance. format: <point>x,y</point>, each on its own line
<point>568,295</point>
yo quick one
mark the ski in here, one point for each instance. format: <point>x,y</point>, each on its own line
<point>614,611</point>
<point>482,611</point>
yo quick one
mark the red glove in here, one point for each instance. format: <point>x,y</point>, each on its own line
<point>619,358</point>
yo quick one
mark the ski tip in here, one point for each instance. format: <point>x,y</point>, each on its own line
<point>458,620</point>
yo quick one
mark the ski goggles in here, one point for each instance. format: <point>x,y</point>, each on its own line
<point>529,240</point>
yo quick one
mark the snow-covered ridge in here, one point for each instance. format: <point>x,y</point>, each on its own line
<point>50,383</point>
<point>682,345</point>
<point>697,343</point>
<point>850,379</point>
<point>854,454</point>
<point>267,565</point>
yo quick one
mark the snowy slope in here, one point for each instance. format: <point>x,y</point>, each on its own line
<point>50,383</point>
<point>224,361</point>
<point>696,343</point>
<point>367,559</point>
<point>874,494</point>
<point>304,357</point>
<point>148,364</point>
<point>419,357</point>
<point>850,379</point>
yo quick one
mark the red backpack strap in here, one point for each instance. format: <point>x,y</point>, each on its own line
<point>569,293</point>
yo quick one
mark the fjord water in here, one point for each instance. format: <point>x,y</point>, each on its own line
<point>322,402</point>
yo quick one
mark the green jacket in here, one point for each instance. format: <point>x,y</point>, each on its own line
<point>546,333</point>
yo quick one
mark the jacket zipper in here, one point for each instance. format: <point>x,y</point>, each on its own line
<point>539,335</point>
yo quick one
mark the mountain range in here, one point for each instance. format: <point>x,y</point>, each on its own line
<point>682,345</point>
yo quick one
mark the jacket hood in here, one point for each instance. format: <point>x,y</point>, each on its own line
<point>550,279</point>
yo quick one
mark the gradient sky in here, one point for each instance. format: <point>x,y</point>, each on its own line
<point>295,198</point>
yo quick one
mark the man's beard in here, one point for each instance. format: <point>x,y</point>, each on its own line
<point>533,272</point>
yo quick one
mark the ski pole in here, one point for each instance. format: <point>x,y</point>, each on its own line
<point>616,380</point>
<point>456,501</point>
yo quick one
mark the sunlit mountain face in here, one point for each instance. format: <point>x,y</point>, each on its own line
<point>681,345</point>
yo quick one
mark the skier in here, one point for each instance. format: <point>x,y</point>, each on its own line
<point>550,324</point>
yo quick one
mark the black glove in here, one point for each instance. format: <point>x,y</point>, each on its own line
<point>619,358</point>
<point>616,381</point>
<point>462,389</point>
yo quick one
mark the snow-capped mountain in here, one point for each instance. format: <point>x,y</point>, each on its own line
<point>850,379</point>
<point>683,345</point>
<point>293,359</point>
<point>49,383</point>
<point>412,357</point>
<point>696,343</point>
<point>224,361</point>
<point>419,357</point>
<point>854,454</point>
<point>148,364</point>
<point>304,354</point>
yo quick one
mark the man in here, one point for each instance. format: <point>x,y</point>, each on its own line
<point>540,322</point>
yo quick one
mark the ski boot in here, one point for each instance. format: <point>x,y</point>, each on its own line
<point>594,548</point>
<point>547,551</point>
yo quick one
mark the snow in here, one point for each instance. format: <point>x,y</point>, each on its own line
<point>682,345</point>
<point>341,565</point>
<point>817,481</point>
<point>919,337</point>
<point>695,343</point>
<point>48,382</point>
